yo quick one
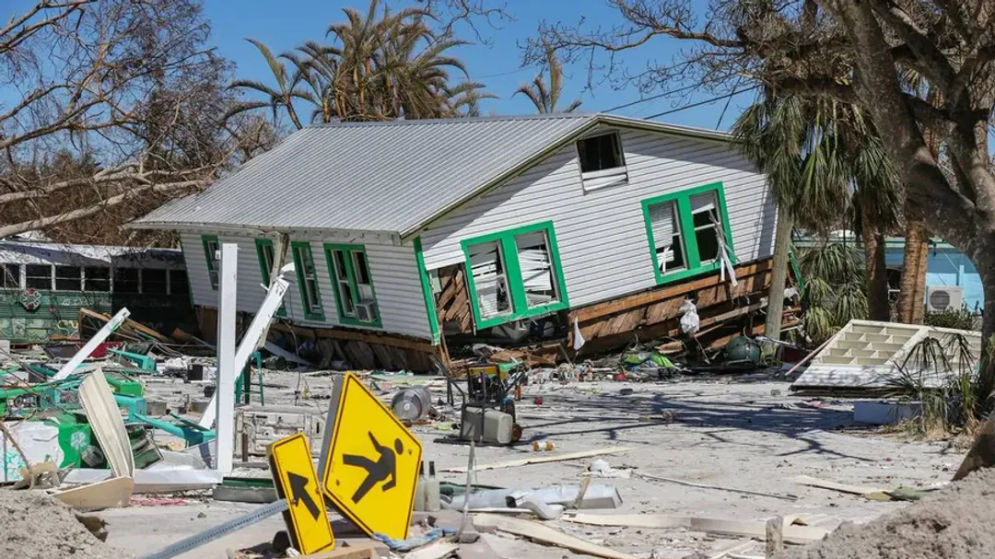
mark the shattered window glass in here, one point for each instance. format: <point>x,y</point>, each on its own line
<point>309,275</point>
<point>10,276</point>
<point>489,279</point>
<point>706,231</point>
<point>536,264</point>
<point>666,230</point>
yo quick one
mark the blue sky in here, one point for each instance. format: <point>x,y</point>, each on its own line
<point>285,24</point>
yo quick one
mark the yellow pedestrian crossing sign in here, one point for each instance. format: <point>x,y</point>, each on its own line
<point>295,480</point>
<point>370,461</point>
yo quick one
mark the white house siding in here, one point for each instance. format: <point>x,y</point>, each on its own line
<point>601,234</point>
<point>395,280</point>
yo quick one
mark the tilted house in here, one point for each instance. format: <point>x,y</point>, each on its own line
<point>586,218</point>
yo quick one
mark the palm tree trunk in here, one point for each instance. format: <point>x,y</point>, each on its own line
<point>912,297</point>
<point>874,263</point>
<point>779,276</point>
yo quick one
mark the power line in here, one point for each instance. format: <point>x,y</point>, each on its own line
<point>653,97</point>
<point>700,103</point>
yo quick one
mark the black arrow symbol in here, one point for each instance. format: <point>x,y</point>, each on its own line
<point>299,493</point>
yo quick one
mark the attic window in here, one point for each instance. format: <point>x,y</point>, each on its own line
<point>602,162</point>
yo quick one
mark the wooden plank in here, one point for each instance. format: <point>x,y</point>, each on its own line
<point>109,493</point>
<point>539,460</point>
<point>435,550</point>
<point>774,537</point>
<point>129,323</point>
<point>832,485</point>
<point>395,340</point>
<point>599,310</point>
<point>544,534</point>
<point>741,528</point>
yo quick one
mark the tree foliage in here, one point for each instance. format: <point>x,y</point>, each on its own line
<point>546,95</point>
<point>111,107</point>
<point>379,65</point>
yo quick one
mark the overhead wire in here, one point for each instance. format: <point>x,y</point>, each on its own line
<point>704,102</point>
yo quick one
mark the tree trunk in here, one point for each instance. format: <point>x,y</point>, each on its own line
<point>874,263</point>
<point>912,297</point>
<point>982,453</point>
<point>779,276</point>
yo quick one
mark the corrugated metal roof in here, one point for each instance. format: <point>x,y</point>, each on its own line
<point>385,176</point>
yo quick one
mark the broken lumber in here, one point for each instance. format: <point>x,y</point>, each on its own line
<point>544,534</point>
<point>109,493</point>
<point>742,528</point>
<point>434,550</point>
<point>717,487</point>
<point>540,460</point>
<point>841,487</point>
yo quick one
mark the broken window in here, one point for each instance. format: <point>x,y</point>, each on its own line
<point>38,276</point>
<point>266,254</point>
<point>10,276</point>
<point>600,152</point>
<point>705,219</point>
<point>307,278</point>
<point>154,281</point>
<point>536,264</point>
<point>602,162</point>
<point>489,279</point>
<point>126,280</point>
<point>667,241</point>
<point>688,232</point>
<point>179,284</point>
<point>212,251</point>
<point>96,279</point>
<point>353,283</point>
<point>68,278</point>
<point>515,274</point>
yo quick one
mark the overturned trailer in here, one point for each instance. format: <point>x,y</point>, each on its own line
<point>409,234</point>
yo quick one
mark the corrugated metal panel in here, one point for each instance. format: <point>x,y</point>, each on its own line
<point>367,176</point>
<point>30,252</point>
<point>387,176</point>
<point>395,280</point>
<point>601,234</point>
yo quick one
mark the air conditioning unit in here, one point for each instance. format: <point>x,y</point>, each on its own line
<point>942,298</point>
<point>366,310</point>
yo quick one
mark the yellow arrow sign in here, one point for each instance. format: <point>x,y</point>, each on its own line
<point>293,474</point>
<point>370,461</point>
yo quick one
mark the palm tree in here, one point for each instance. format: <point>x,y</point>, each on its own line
<point>546,97</point>
<point>282,96</point>
<point>820,157</point>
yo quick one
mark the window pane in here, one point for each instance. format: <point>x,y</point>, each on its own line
<point>704,211</point>
<point>266,250</point>
<point>178,282</point>
<point>489,279</point>
<point>212,247</point>
<point>312,298</point>
<point>666,230</point>
<point>67,278</point>
<point>10,276</point>
<point>97,279</point>
<point>708,243</point>
<point>342,284</point>
<point>154,281</point>
<point>536,264</point>
<point>126,280</point>
<point>361,269</point>
<point>38,276</point>
<point>600,152</point>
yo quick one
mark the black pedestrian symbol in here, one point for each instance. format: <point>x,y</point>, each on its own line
<point>384,467</point>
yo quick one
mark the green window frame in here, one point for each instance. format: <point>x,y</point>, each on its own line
<point>352,283</point>
<point>211,248</point>
<point>266,253</point>
<point>684,221</point>
<point>509,259</point>
<point>307,280</point>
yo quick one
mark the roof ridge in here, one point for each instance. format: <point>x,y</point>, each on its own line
<point>452,120</point>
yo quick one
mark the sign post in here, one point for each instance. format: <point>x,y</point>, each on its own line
<point>370,460</point>
<point>296,481</point>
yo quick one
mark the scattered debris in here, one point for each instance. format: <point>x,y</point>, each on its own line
<point>542,459</point>
<point>37,526</point>
<point>544,534</point>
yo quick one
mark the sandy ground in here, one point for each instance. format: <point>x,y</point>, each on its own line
<point>745,432</point>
